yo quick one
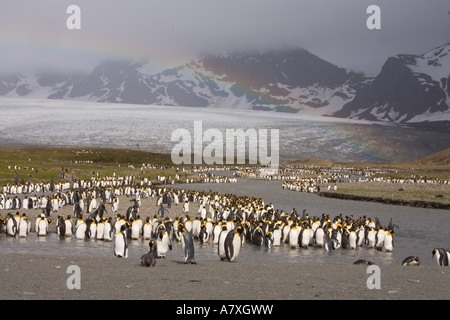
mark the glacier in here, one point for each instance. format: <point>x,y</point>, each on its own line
<point>67,123</point>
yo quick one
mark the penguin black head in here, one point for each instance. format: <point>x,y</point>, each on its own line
<point>151,245</point>
<point>434,252</point>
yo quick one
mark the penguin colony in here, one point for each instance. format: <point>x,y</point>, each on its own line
<point>227,221</point>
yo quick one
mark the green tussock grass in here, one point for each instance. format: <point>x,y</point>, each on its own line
<point>43,164</point>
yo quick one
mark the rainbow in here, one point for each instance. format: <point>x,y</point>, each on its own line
<point>91,51</point>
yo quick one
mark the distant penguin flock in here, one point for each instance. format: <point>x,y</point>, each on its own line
<point>225,220</point>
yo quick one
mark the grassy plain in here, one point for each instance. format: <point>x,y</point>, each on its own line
<point>61,164</point>
<point>43,164</point>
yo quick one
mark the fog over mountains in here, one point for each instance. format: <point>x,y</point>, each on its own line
<point>409,89</point>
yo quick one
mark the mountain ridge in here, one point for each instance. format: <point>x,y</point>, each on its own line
<point>408,89</point>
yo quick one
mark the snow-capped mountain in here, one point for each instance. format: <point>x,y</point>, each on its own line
<point>409,88</point>
<point>291,80</point>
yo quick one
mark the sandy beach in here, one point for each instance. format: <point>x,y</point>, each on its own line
<point>28,276</point>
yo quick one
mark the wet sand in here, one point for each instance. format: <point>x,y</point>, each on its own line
<point>45,277</point>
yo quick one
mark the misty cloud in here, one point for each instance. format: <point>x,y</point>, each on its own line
<point>34,33</point>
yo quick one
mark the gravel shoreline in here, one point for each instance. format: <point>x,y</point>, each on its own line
<point>32,277</point>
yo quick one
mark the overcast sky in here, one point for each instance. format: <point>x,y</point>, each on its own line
<point>170,32</point>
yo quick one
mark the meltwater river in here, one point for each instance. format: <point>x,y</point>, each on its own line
<point>420,230</point>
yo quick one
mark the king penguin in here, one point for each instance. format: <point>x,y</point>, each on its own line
<point>149,259</point>
<point>268,240</point>
<point>163,243</point>
<point>108,230</point>
<point>388,244</point>
<point>352,239</point>
<point>120,243</point>
<point>24,226</point>
<point>100,229</point>
<point>362,261</point>
<point>147,229</point>
<point>80,229</point>
<point>216,232</point>
<point>203,234</point>
<point>233,243</point>
<point>68,227</point>
<point>304,237</point>
<point>135,229</point>
<point>42,226</point>
<point>328,243</point>
<point>277,236</point>
<point>411,261</point>
<point>442,256</point>
<point>60,227</point>
<point>293,236</point>
<point>187,241</point>
<point>318,236</point>
<point>221,245</point>
<point>371,238</point>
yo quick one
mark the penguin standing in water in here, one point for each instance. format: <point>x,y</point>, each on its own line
<point>80,229</point>
<point>381,233</point>
<point>258,237</point>
<point>442,256</point>
<point>203,234</point>
<point>388,244</point>
<point>24,226</point>
<point>277,236</point>
<point>93,229</point>
<point>318,237</point>
<point>371,238</point>
<point>120,243</point>
<point>293,236</point>
<point>147,229</point>
<point>163,243</point>
<point>268,240</point>
<point>61,227</point>
<point>216,232</point>
<point>108,230</point>
<point>221,244</point>
<point>233,243</point>
<point>304,237</point>
<point>411,261</point>
<point>11,225</point>
<point>68,227</point>
<point>328,243</point>
<point>149,259</point>
<point>187,241</point>
<point>100,229</point>
<point>135,229</point>
<point>42,225</point>
<point>352,239</point>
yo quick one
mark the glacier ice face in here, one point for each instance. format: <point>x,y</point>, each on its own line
<point>62,123</point>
